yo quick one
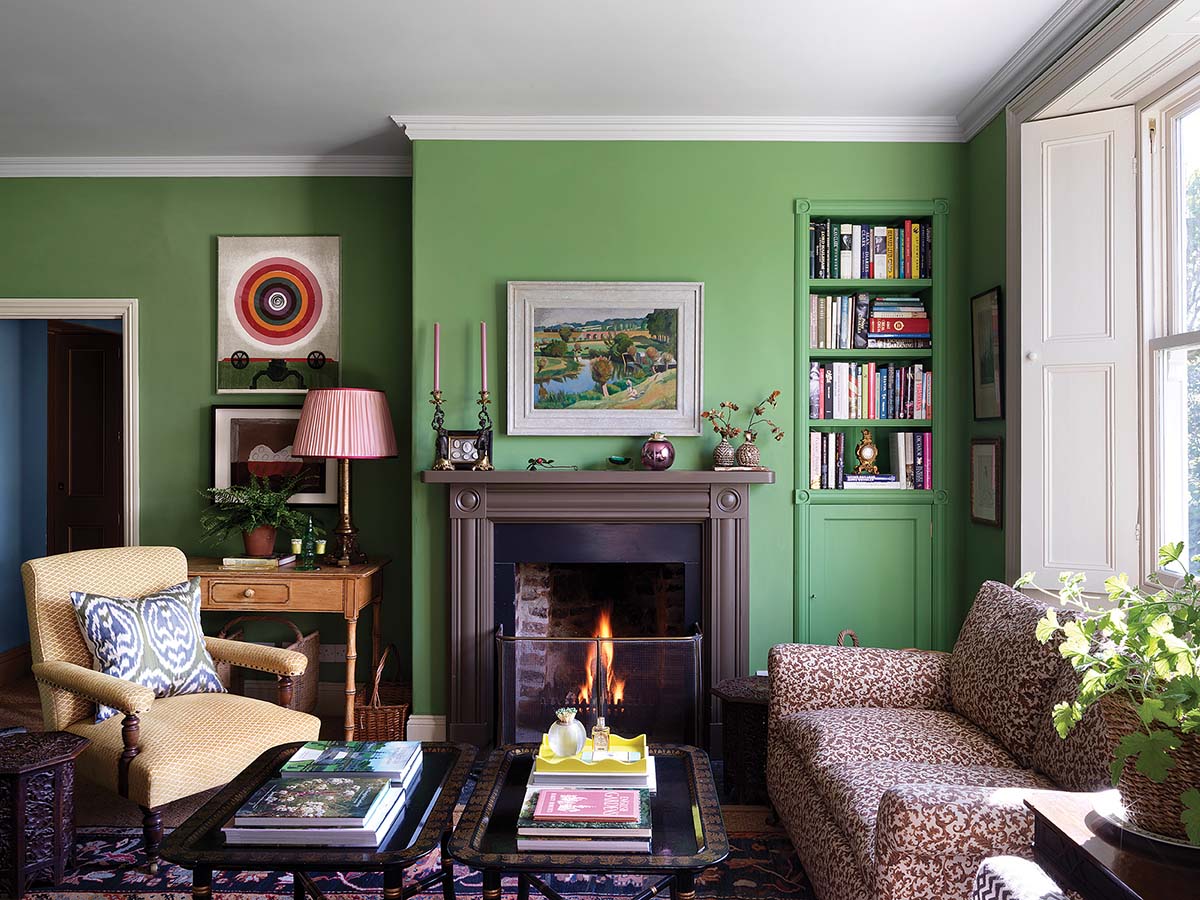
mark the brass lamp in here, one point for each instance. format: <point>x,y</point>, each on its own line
<point>345,424</point>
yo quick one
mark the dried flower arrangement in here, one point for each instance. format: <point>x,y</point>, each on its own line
<point>721,420</point>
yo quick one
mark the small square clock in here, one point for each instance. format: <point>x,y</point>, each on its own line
<point>462,448</point>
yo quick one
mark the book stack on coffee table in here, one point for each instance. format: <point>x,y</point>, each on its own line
<point>584,821</point>
<point>331,794</point>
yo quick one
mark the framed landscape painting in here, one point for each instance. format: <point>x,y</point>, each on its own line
<point>257,440</point>
<point>604,357</point>
<point>279,326</point>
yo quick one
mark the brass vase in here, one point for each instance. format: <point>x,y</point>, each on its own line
<point>723,455</point>
<point>748,454</point>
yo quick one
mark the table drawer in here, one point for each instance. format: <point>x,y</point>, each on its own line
<point>242,593</point>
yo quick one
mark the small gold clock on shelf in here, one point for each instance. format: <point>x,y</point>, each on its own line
<point>867,453</point>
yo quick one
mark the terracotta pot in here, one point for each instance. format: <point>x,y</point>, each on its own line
<point>260,541</point>
<point>748,455</point>
<point>1152,805</point>
<point>723,454</point>
<point>658,453</point>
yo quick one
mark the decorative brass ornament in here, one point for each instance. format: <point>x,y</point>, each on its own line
<point>867,453</point>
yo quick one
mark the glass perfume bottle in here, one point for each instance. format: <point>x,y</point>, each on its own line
<point>601,734</point>
<point>567,735</point>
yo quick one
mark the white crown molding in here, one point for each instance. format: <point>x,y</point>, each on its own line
<point>680,128</point>
<point>203,166</point>
<point>1070,22</point>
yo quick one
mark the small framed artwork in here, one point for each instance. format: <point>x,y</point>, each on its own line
<point>986,498</point>
<point>987,354</point>
<point>463,448</point>
<point>604,357</point>
<point>257,440</point>
<point>278,314</point>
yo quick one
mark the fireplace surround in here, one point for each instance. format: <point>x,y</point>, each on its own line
<point>481,506</point>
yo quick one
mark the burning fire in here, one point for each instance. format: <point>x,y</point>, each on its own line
<point>614,687</point>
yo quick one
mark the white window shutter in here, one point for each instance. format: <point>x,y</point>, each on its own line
<point>1079,470</point>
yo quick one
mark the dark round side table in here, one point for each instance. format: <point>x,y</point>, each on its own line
<point>37,807</point>
<point>744,707</point>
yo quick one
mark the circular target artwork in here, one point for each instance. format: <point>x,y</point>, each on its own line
<point>279,314</point>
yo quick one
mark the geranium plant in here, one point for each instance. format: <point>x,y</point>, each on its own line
<point>1143,651</point>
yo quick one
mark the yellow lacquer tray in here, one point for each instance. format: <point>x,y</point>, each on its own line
<point>547,761</point>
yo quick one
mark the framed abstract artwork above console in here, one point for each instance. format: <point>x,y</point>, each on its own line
<point>604,357</point>
<point>257,441</point>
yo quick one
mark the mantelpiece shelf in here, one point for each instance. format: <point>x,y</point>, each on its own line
<point>600,476</point>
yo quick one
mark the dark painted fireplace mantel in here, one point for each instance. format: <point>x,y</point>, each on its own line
<point>477,501</point>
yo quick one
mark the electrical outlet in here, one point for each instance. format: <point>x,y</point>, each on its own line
<point>333,653</point>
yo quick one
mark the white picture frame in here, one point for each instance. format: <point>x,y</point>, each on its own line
<point>226,419</point>
<point>674,359</point>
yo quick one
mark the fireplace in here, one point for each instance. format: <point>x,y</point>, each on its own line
<point>708,582</point>
<point>603,617</point>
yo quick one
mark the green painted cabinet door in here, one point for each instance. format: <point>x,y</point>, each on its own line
<point>871,570</point>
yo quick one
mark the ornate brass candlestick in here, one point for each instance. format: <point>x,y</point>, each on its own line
<point>484,442</point>
<point>441,453</point>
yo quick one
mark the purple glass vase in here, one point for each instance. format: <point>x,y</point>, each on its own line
<point>658,453</point>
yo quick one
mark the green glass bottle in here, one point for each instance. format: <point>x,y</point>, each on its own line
<point>308,548</point>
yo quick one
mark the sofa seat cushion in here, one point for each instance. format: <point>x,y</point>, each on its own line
<point>855,734</point>
<point>852,792</point>
<point>189,743</point>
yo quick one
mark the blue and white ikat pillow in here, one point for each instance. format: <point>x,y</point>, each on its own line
<point>154,641</point>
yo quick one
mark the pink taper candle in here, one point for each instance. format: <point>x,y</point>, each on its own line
<point>483,356</point>
<point>437,356</point>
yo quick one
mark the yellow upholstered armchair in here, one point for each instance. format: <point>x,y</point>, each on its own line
<point>156,750</point>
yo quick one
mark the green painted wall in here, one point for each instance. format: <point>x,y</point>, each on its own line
<point>485,213</point>
<point>984,557</point>
<point>155,239</point>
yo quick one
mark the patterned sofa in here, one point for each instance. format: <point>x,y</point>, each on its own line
<point>897,772</point>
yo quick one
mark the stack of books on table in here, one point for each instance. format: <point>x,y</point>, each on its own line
<point>331,794</point>
<point>594,820</point>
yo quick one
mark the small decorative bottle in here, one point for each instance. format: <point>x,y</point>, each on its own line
<point>308,548</point>
<point>601,734</point>
<point>567,735</point>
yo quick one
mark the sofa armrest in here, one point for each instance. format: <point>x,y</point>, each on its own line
<point>107,690</point>
<point>1011,876</point>
<point>245,655</point>
<point>813,676</point>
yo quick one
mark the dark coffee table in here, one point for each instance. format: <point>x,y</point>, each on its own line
<point>199,845</point>
<point>688,831</point>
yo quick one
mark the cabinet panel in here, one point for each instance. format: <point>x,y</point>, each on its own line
<point>870,569</point>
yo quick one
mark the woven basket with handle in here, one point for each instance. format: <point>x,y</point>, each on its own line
<point>304,687</point>
<point>382,714</point>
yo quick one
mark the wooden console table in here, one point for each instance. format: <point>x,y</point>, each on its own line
<point>330,589</point>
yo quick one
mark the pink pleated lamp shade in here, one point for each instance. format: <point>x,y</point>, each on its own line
<point>346,423</point>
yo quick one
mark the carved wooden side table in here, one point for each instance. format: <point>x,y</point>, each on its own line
<point>37,807</point>
<point>744,712</point>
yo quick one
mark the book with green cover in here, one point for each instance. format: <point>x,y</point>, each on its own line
<point>391,759</point>
<point>303,802</point>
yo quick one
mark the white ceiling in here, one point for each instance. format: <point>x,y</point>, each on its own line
<point>317,78</point>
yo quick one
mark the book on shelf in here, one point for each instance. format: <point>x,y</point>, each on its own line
<point>869,391</point>
<point>856,321</point>
<point>398,760</point>
<point>258,562</point>
<point>852,250</point>
<point>322,801</point>
<point>911,458</point>
<point>375,829</point>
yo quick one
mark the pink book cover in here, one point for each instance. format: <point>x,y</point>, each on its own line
<point>587,806</point>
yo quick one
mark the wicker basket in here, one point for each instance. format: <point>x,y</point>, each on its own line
<point>847,634</point>
<point>304,687</point>
<point>383,714</point>
<point>1152,805</point>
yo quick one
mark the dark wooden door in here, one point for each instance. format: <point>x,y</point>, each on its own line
<point>85,489</point>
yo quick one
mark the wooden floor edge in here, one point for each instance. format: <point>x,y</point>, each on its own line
<point>14,664</point>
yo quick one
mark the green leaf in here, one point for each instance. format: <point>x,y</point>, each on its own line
<point>1191,814</point>
<point>1024,581</point>
<point>1149,751</point>
<point>1152,709</point>
<point>1075,641</point>
<point>1048,626</point>
<point>1170,553</point>
<point>1065,717</point>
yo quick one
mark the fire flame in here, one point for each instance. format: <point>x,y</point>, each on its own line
<point>614,687</point>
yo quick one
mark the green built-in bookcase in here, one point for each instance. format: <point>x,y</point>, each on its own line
<point>872,560</point>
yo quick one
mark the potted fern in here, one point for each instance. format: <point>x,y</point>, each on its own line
<point>256,510</point>
<point>1139,660</point>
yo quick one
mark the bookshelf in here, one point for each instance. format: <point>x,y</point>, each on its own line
<point>871,559</point>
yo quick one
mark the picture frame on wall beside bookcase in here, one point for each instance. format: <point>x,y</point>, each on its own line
<point>870,293</point>
<point>986,468</point>
<point>987,354</point>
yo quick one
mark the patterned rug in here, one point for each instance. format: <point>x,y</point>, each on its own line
<point>109,865</point>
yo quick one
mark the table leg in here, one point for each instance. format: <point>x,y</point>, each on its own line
<point>376,629</point>
<point>202,883</point>
<point>491,884</point>
<point>685,886</point>
<point>522,887</point>
<point>447,869</point>
<point>351,658</point>
<point>393,883</point>
<point>297,887</point>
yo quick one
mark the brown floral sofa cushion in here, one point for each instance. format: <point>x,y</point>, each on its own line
<point>915,735</point>
<point>999,672</point>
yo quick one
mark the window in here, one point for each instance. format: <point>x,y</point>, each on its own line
<point>1174,331</point>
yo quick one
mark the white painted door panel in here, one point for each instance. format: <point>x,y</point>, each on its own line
<point>1079,395</point>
